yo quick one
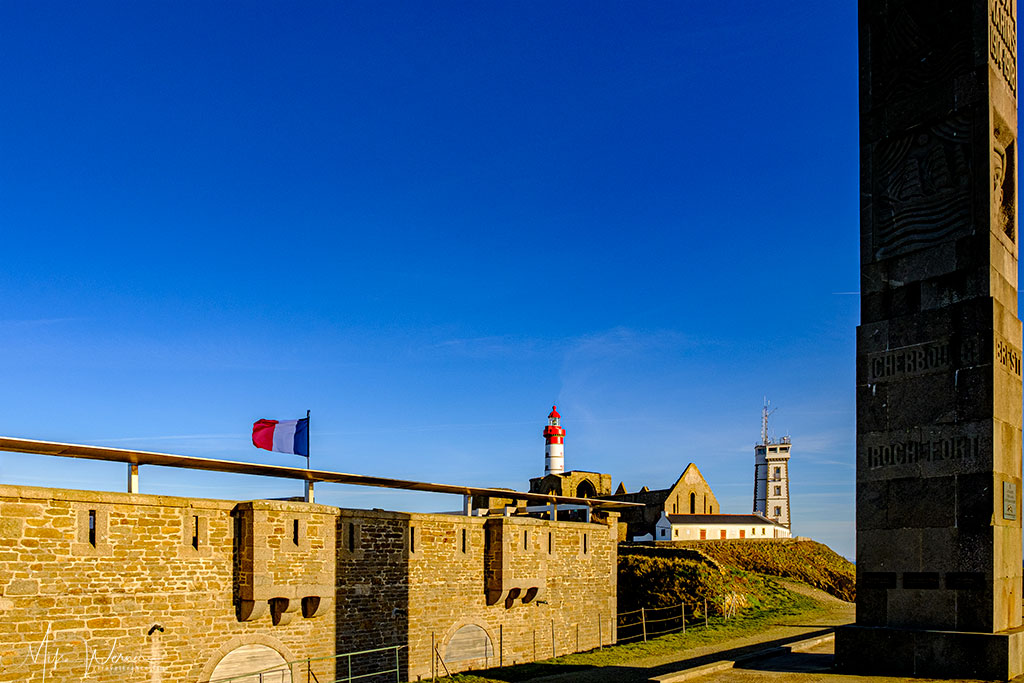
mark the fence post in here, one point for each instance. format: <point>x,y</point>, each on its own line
<point>433,657</point>
<point>398,661</point>
<point>705,612</point>
<point>553,655</point>
<point>683,608</point>
<point>349,668</point>
<point>501,644</point>
<point>577,637</point>
<point>643,622</point>
<point>600,633</point>
<point>535,645</point>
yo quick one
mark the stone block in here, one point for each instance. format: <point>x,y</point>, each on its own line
<point>872,505</point>
<point>922,503</point>
<point>889,550</point>
<point>973,500</point>
<point>11,527</point>
<point>872,605</point>
<point>928,653</point>
<point>913,607</point>
<point>22,587</point>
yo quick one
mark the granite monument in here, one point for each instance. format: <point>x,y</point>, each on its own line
<point>939,344</point>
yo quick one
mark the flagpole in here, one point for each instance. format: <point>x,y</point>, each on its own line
<point>309,484</point>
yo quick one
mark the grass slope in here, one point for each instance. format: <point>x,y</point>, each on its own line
<point>808,561</point>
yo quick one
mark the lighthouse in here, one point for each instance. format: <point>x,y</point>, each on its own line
<point>554,436</point>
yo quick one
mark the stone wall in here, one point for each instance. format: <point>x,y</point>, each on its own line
<point>420,579</point>
<point>574,589</point>
<point>86,576</point>
<point>80,603</point>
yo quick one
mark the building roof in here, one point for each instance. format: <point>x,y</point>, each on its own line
<point>554,412</point>
<point>720,519</point>
<point>657,496</point>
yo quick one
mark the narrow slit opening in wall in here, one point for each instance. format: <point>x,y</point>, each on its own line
<point>412,539</point>
<point>550,543</point>
<point>195,531</point>
<point>584,544</point>
<point>236,541</point>
<point>295,532</point>
<point>463,540</point>
<point>92,528</point>
<point>526,540</point>
<point>351,537</point>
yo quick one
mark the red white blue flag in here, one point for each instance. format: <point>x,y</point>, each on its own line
<point>282,436</point>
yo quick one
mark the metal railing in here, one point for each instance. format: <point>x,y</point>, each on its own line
<point>289,672</point>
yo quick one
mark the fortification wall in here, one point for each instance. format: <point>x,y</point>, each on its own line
<point>81,605</point>
<point>79,598</point>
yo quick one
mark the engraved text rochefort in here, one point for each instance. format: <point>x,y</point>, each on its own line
<point>910,452</point>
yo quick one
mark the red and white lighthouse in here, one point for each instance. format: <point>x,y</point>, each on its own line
<point>554,436</point>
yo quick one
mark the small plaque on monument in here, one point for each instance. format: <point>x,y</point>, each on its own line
<point>1009,500</point>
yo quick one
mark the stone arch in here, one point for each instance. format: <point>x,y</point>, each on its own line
<point>470,642</point>
<point>256,648</point>
<point>585,489</point>
<point>464,664</point>
<point>693,503</point>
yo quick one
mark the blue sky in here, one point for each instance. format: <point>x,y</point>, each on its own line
<point>426,223</point>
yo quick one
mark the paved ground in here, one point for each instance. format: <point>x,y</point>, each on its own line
<point>812,666</point>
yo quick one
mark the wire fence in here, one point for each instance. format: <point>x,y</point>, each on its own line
<point>649,622</point>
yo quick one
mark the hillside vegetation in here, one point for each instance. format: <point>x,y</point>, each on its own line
<point>663,582</point>
<point>808,561</point>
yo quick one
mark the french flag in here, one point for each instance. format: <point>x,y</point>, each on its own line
<point>282,436</point>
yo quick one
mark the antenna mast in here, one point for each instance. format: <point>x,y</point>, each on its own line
<point>764,420</point>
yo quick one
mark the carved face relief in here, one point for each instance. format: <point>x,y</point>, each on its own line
<point>1003,183</point>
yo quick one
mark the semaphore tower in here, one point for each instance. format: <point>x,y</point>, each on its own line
<point>771,475</point>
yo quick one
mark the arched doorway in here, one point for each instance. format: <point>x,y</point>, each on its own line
<point>693,503</point>
<point>469,642</point>
<point>585,489</point>
<point>248,658</point>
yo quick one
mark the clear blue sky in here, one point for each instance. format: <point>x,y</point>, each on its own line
<point>426,223</point>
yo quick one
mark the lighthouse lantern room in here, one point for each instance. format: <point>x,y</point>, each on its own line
<point>554,437</point>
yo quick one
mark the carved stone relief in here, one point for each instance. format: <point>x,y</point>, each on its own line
<point>922,188</point>
<point>1004,204</point>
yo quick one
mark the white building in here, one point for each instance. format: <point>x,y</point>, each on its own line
<point>717,527</point>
